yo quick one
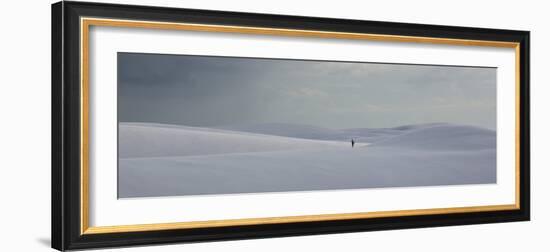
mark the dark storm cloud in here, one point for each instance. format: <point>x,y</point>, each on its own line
<point>212,91</point>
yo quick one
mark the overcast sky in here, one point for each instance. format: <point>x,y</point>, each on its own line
<point>215,91</point>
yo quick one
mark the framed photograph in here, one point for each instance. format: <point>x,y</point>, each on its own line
<point>181,125</point>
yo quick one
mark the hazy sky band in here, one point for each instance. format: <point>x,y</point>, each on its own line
<point>215,91</point>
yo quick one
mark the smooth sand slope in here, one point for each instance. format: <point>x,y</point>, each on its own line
<point>161,140</point>
<point>366,135</point>
<point>164,160</point>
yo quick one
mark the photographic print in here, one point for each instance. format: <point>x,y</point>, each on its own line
<point>203,125</point>
<point>187,125</point>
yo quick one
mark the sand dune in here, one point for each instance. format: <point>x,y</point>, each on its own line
<point>442,138</point>
<point>365,135</point>
<point>424,155</point>
<point>159,140</point>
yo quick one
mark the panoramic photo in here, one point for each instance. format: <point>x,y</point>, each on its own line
<point>200,125</point>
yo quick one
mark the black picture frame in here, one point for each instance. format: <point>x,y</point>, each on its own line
<point>66,155</point>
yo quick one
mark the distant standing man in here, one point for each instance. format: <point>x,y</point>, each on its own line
<point>352,143</point>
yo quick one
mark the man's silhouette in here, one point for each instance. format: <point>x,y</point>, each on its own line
<point>352,143</point>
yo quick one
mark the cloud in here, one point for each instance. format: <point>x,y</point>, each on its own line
<point>210,91</point>
<point>307,92</point>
